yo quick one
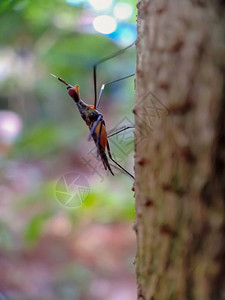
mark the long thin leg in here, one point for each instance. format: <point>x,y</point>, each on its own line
<point>101,61</point>
<point>110,156</point>
<point>94,127</point>
<point>119,130</point>
<point>104,85</point>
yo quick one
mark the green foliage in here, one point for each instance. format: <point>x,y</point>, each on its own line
<point>43,140</point>
<point>35,227</point>
<point>38,38</point>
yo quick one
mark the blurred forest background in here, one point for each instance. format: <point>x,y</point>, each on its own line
<point>65,223</point>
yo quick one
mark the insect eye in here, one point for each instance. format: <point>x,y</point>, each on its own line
<point>71,91</point>
<point>73,94</point>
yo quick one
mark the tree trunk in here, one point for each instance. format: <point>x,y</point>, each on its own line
<point>180,150</point>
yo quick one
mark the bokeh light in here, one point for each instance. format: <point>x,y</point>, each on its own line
<point>10,126</point>
<point>100,4</point>
<point>123,11</point>
<point>104,24</point>
<point>75,2</point>
<point>124,34</point>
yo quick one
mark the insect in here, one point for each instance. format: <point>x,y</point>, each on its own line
<point>94,119</point>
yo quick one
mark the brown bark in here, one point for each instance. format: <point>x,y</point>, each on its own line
<point>180,150</point>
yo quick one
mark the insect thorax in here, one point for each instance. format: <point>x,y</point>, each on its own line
<point>88,114</point>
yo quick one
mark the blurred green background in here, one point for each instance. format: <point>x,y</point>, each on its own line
<point>65,223</point>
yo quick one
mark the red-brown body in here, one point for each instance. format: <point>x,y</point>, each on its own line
<point>91,115</point>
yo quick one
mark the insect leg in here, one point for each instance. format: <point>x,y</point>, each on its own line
<point>104,85</point>
<point>101,61</point>
<point>110,156</point>
<point>120,130</point>
<point>94,127</point>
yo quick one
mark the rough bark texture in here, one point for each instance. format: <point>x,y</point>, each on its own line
<point>180,150</point>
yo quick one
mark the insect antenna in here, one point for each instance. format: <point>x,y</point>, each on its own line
<point>60,79</point>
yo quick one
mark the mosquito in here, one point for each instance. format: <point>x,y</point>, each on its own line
<point>94,119</point>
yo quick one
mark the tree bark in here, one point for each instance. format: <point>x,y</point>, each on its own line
<point>180,150</point>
